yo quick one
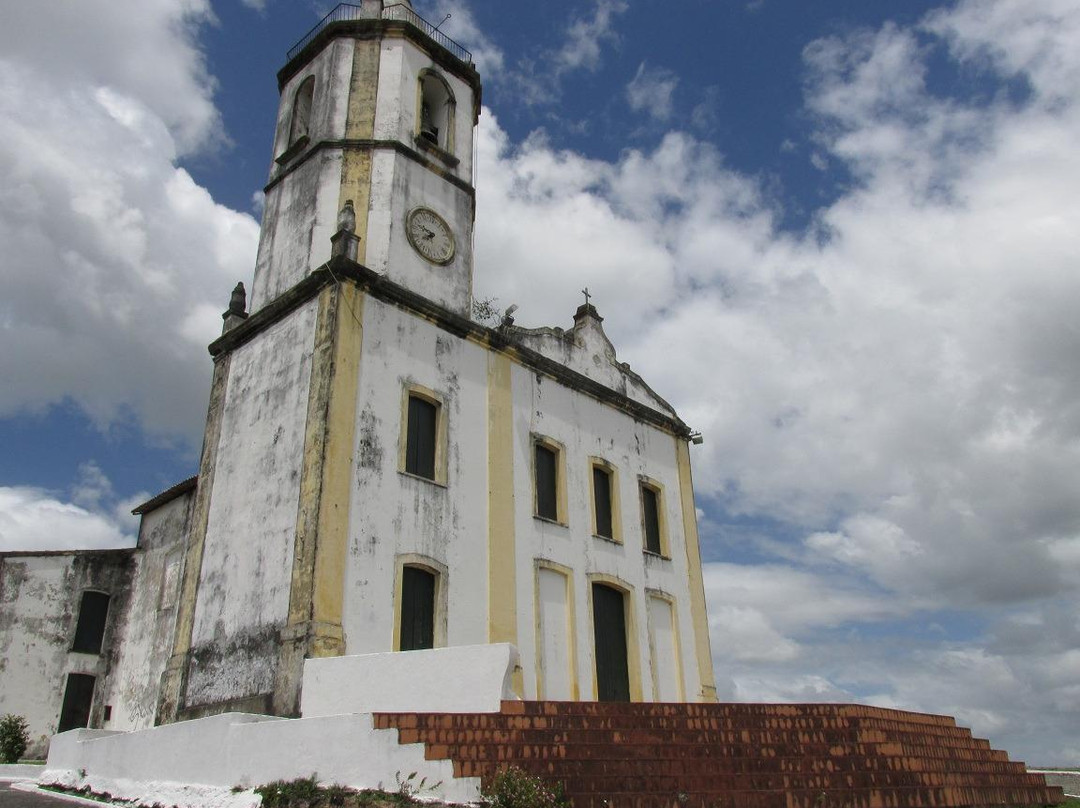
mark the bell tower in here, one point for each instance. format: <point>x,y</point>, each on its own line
<point>379,108</point>
<point>371,188</point>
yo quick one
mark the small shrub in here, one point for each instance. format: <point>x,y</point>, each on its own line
<point>303,791</point>
<point>409,789</point>
<point>514,788</point>
<point>14,738</point>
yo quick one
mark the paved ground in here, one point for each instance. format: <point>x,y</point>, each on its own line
<point>14,798</point>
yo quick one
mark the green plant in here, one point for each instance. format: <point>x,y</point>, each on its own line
<point>514,788</point>
<point>303,791</point>
<point>14,738</point>
<point>409,788</point>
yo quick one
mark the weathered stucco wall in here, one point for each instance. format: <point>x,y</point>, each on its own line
<point>399,184</point>
<point>144,640</point>
<point>395,117</point>
<point>243,593</point>
<point>397,518</point>
<point>301,207</point>
<point>586,428</point>
<point>393,513</point>
<point>39,606</point>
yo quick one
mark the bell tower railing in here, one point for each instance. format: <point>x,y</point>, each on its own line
<point>347,12</point>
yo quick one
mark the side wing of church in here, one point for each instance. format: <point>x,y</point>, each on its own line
<point>379,472</point>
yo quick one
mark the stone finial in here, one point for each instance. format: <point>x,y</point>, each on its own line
<point>238,300</point>
<point>586,310</point>
<point>237,311</point>
<point>346,220</point>
<point>345,241</point>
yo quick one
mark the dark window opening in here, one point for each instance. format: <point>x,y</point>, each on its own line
<point>417,609</point>
<point>547,500</point>
<point>301,111</point>
<point>609,635</point>
<point>420,439</point>
<point>602,501</point>
<point>78,697</point>
<point>90,630</point>
<point>650,514</point>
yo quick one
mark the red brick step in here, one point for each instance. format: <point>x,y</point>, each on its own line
<point>611,755</point>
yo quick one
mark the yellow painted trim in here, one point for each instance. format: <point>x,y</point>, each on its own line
<point>333,524</point>
<point>680,682</point>
<point>411,390</point>
<point>633,643</point>
<point>616,501</point>
<point>561,512</point>
<point>571,625</point>
<point>442,585</point>
<point>360,125</point>
<point>695,581</point>
<point>661,510</point>
<point>502,550</point>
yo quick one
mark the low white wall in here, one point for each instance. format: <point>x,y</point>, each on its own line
<point>463,678</point>
<point>197,763</point>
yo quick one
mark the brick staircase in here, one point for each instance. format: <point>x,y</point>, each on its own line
<point>610,755</point>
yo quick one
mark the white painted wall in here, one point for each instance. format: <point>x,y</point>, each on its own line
<point>588,428</point>
<point>212,755</point>
<point>301,210</point>
<point>395,118</point>
<point>462,679</point>
<point>554,665</point>
<point>40,597</point>
<point>143,642</point>
<point>398,185</point>
<point>247,557</point>
<point>393,513</point>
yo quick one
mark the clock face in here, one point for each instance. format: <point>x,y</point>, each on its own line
<point>430,235</point>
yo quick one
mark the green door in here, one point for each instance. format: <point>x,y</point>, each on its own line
<point>609,632</point>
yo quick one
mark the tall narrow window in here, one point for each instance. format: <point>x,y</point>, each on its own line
<point>300,123</point>
<point>420,443</point>
<point>650,517</point>
<point>547,483</point>
<point>417,609</point>
<point>90,630</point>
<point>602,502</point>
<point>78,698</point>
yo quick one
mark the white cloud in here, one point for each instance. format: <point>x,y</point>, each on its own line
<point>538,80</point>
<point>143,49</point>
<point>34,519</point>
<point>112,253</point>
<point>462,27</point>
<point>898,386</point>
<point>651,91</point>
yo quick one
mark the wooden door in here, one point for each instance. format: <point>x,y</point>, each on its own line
<point>609,631</point>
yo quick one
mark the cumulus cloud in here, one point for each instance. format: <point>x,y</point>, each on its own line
<point>896,387</point>
<point>112,253</point>
<point>36,519</point>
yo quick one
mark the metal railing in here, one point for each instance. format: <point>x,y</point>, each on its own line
<point>346,12</point>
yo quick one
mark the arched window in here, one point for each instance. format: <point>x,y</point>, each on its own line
<point>435,121</point>
<point>301,111</point>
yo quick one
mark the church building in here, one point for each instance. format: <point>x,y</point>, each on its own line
<point>380,472</point>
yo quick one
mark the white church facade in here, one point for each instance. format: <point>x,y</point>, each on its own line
<point>380,473</point>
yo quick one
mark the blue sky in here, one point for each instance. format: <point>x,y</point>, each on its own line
<point>840,237</point>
